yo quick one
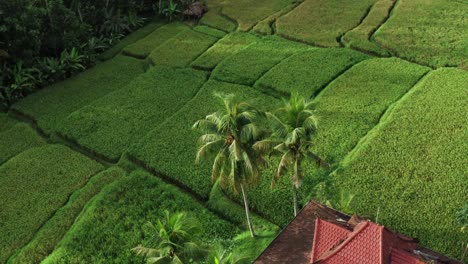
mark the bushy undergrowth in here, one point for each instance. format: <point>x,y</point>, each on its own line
<point>143,47</point>
<point>113,221</point>
<point>18,139</point>
<point>109,125</point>
<point>248,65</point>
<point>359,37</point>
<point>170,149</point>
<point>412,167</point>
<point>50,234</point>
<point>42,179</point>
<point>418,31</point>
<point>322,22</point>
<point>182,49</point>
<point>51,105</point>
<point>225,47</point>
<point>307,72</point>
<point>248,13</point>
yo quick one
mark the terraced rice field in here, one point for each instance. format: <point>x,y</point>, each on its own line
<point>92,158</point>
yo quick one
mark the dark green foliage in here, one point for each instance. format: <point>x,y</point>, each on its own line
<point>322,22</point>
<point>225,47</point>
<point>170,149</point>
<point>109,125</point>
<point>18,139</point>
<point>51,105</point>
<point>182,49</point>
<point>412,166</point>
<point>427,32</point>
<point>130,39</point>
<point>307,72</point>
<point>246,66</point>
<point>50,234</point>
<point>142,48</point>
<point>42,179</point>
<point>210,31</point>
<point>117,214</point>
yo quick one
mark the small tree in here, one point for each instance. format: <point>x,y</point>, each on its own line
<point>229,135</point>
<point>173,240</point>
<point>293,127</point>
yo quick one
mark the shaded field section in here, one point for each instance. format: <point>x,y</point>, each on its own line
<point>249,64</point>
<point>210,31</point>
<point>130,39</point>
<point>248,13</point>
<point>412,166</point>
<point>348,108</point>
<point>6,122</point>
<point>225,47</point>
<point>431,32</point>
<point>309,71</point>
<point>18,139</point>
<point>322,22</point>
<point>108,126</point>
<point>143,47</point>
<point>33,185</point>
<point>182,49</point>
<point>213,18</point>
<point>359,37</point>
<point>117,216</point>
<point>49,106</point>
<point>50,234</point>
<point>170,149</point>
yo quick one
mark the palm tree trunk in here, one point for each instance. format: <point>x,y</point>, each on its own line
<point>247,212</point>
<point>294,189</point>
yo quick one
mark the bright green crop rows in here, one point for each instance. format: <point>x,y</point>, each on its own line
<point>210,31</point>
<point>431,32</point>
<point>51,105</point>
<point>42,179</point>
<point>111,124</point>
<point>248,13</point>
<point>359,37</point>
<point>227,46</point>
<point>170,149</point>
<point>308,71</point>
<point>18,139</point>
<point>248,65</point>
<point>182,49</point>
<point>322,22</point>
<point>412,167</point>
<point>265,27</point>
<point>50,234</point>
<point>142,48</point>
<point>113,221</point>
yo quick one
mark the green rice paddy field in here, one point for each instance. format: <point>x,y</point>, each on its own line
<point>85,162</point>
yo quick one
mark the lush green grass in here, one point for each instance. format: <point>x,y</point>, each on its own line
<point>321,22</point>
<point>51,105</point>
<point>427,31</point>
<point>170,149</point>
<point>54,229</point>
<point>142,48</point>
<point>111,124</point>
<point>309,71</point>
<point>113,221</point>
<point>18,139</point>
<point>412,167</point>
<point>348,108</point>
<point>225,47</point>
<point>6,122</point>
<point>130,39</point>
<point>248,13</point>
<point>265,27</point>
<point>358,38</point>
<point>248,65</point>
<point>210,31</point>
<point>182,49</point>
<point>33,185</point>
<point>215,20</point>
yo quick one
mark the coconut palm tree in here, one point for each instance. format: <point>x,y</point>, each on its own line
<point>172,240</point>
<point>228,135</point>
<point>293,127</point>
